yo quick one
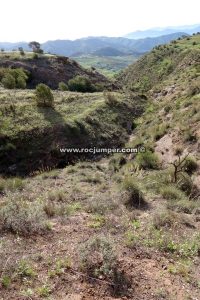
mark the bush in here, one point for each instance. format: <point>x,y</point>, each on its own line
<point>172,193</point>
<point>184,183</point>
<point>147,160</point>
<point>8,81</point>
<point>35,56</point>
<point>190,165</point>
<point>165,219</point>
<point>21,82</point>
<point>23,217</point>
<point>189,136</point>
<point>81,84</point>
<point>14,78</point>
<point>184,205</point>
<point>134,196</point>
<point>110,99</point>
<point>63,86</point>
<point>160,131</point>
<point>98,257</point>
<point>44,96</point>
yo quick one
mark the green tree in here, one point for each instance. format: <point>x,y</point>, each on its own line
<point>35,46</point>
<point>44,96</point>
<point>21,50</point>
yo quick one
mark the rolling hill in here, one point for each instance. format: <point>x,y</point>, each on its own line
<point>92,44</point>
<point>49,69</point>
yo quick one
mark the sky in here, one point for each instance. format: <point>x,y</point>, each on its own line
<point>42,20</point>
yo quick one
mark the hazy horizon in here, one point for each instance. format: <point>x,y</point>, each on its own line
<point>70,20</point>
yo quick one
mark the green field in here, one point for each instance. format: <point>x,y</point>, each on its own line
<point>107,65</point>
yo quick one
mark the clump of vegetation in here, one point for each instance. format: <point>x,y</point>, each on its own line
<point>134,196</point>
<point>160,131</point>
<point>110,99</point>
<point>189,136</point>
<point>184,205</point>
<point>11,184</point>
<point>25,270</point>
<point>98,257</point>
<point>166,219</point>
<point>13,78</point>
<point>23,217</point>
<point>147,160</point>
<point>191,165</point>
<point>63,86</point>
<point>35,46</point>
<point>81,84</point>
<point>171,192</point>
<point>57,195</point>
<point>44,291</point>
<point>44,96</point>
<point>8,81</point>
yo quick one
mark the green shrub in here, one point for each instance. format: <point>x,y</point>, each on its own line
<point>184,205</point>
<point>11,184</point>
<point>134,196</point>
<point>23,217</point>
<point>6,281</point>
<point>21,82</point>
<point>63,86</point>
<point>184,182</point>
<point>189,136</point>
<point>44,96</point>
<point>160,131</point>
<point>81,84</point>
<point>14,78</point>
<point>110,99</point>
<point>25,270</point>
<point>8,81</point>
<point>158,179</point>
<point>147,160</point>
<point>98,257</point>
<point>170,192</point>
<point>191,165</point>
<point>165,218</point>
<point>35,56</point>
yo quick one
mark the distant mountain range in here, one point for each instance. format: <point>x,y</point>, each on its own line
<point>102,46</point>
<point>155,32</point>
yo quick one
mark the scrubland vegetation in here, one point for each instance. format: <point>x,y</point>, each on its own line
<point>124,226</point>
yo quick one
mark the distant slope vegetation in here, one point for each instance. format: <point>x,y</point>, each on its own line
<point>108,51</point>
<point>176,62</point>
<point>49,69</point>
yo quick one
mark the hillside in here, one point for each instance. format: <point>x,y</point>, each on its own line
<point>170,77</point>
<point>165,65</point>
<point>49,69</point>
<point>30,136</point>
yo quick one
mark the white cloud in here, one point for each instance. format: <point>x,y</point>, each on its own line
<point>69,19</point>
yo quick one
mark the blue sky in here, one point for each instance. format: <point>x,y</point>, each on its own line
<point>42,20</point>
